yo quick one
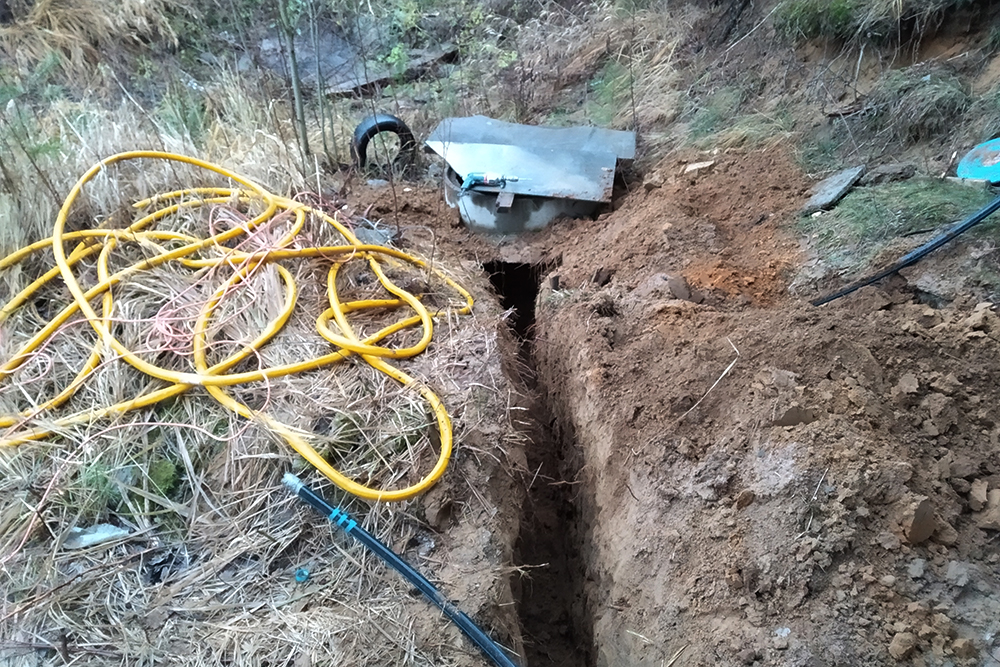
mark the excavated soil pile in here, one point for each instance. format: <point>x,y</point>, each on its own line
<point>834,498</point>
<point>722,469</point>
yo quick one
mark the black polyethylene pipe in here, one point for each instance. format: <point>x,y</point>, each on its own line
<point>351,527</point>
<point>916,255</point>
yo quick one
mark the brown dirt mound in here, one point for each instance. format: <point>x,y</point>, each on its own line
<point>819,505</point>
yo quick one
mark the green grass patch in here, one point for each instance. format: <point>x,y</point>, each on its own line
<point>868,219</point>
<point>715,112</point>
<point>916,103</point>
<point>809,19</point>
<point>608,93</point>
<point>863,21</point>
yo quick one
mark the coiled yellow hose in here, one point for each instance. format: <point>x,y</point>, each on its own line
<point>216,378</point>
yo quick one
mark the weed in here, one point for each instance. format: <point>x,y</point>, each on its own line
<point>752,130</point>
<point>163,475</point>
<point>715,112</point>
<point>609,91</point>
<point>96,490</point>
<point>867,219</point>
<point>819,153</point>
<point>984,113</point>
<point>874,21</point>
<point>809,19</point>
<point>183,112</point>
<point>916,103</point>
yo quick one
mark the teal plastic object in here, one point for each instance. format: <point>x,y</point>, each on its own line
<point>982,162</point>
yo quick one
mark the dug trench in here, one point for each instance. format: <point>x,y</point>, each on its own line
<point>735,474</point>
<point>554,621</point>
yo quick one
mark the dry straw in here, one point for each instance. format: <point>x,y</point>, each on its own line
<point>207,572</point>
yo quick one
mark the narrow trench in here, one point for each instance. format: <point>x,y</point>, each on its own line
<point>554,623</point>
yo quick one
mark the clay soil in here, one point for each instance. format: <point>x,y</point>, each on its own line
<point>728,473</point>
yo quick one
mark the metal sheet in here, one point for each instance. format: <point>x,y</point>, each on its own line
<point>568,163</point>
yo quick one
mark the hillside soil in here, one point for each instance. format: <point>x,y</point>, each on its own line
<point>735,474</point>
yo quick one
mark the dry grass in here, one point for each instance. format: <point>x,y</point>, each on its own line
<point>81,29</point>
<point>625,56</point>
<point>207,573</point>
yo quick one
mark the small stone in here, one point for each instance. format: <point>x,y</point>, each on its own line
<point>926,631</point>
<point>929,318</point>
<point>887,173</point>
<point>780,643</point>
<point>943,625</point>
<point>964,648</point>
<point>957,573</point>
<point>918,520</point>
<point>903,645</point>
<point>907,384</point>
<point>748,656</point>
<point>960,485</point>
<point>916,568</point>
<point>977,495</point>
<point>796,415</point>
<point>745,498</point>
<point>888,541</point>
<point>679,288</point>
<point>888,581</point>
<point>989,518</point>
<point>653,181</point>
<point>945,533</point>
<point>699,167</point>
<point>963,467</point>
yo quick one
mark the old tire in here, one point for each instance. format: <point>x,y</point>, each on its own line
<point>377,124</point>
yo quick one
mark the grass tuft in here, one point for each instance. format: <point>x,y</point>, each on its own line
<point>868,219</point>
<point>862,21</point>
<point>916,103</point>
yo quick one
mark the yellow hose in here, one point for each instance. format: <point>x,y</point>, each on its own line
<point>215,378</point>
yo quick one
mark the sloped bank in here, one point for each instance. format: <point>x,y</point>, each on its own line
<point>821,505</point>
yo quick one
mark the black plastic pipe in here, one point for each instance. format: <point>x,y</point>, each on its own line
<point>916,255</point>
<point>492,650</point>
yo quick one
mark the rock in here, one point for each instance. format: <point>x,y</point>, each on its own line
<point>963,467</point>
<point>679,287</point>
<point>977,495</point>
<point>745,498</point>
<point>748,656</point>
<point>889,173</point>
<point>916,568</point>
<point>653,181</point>
<point>918,520</point>
<point>957,573</point>
<point>926,631</point>
<point>888,581</point>
<point>964,648</point>
<point>698,168</point>
<point>796,415</point>
<point>907,384</point>
<point>945,533</point>
<point>828,192</point>
<point>989,518</point>
<point>780,643</point>
<point>903,645</point>
<point>888,541</point>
